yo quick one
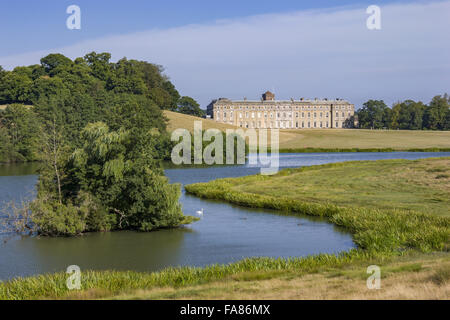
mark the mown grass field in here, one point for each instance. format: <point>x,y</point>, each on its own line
<point>331,139</point>
<point>405,235</point>
<point>417,186</point>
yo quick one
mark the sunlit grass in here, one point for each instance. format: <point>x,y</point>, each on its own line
<point>336,140</point>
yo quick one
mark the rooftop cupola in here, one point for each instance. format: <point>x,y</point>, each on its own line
<point>268,96</point>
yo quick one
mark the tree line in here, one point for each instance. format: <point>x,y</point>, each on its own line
<point>81,91</point>
<point>406,115</point>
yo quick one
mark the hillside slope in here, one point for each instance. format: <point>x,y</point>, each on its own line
<point>334,138</point>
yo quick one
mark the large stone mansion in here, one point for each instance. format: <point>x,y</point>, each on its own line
<point>282,114</point>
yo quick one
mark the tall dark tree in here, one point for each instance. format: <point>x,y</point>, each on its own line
<point>411,115</point>
<point>23,129</point>
<point>187,105</point>
<point>373,114</point>
<point>436,113</point>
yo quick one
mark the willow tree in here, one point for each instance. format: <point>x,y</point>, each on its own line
<point>129,185</point>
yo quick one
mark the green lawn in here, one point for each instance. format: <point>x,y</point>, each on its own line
<point>364,139</point>
<point>332,139</point>
<point>421,186</point>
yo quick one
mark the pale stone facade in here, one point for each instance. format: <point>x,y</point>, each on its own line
<point>290,114</point>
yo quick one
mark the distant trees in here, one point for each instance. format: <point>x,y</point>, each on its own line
<point>374,114</point>
<point>437,113</point>
<point>187,105</point>
<point>408,114</point>
<point>87,89</point>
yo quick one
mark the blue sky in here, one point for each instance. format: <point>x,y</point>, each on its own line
<point>215,48</point>
<point>34,25</point>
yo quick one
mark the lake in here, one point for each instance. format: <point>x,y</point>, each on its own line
<point>226,233</point>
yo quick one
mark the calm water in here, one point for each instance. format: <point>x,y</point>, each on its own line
<point>225,234</point>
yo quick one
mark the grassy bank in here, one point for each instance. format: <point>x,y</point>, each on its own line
<point>396,210</point>
<point>336,140</point>
<point>408,276</point>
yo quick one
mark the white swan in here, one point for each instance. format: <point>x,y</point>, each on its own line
<point>200,212</point>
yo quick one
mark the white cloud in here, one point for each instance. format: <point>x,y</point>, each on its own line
<point>319,53</point>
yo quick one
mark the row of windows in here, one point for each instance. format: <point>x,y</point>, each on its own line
<point>349,107</point>
<point>279,115</point>
<point>287,124</point>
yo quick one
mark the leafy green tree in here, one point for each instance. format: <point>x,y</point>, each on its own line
<point>126,181</point>
<point>56,63</point>
<point>447,120</point>
<point>435,117</point>
<point>373,114</point>
<point>187,105</point>
<point>175,96</point>
<point>99,64</point>
<point>411,115</point>
<point>395,114</point>
<point>23,130</point>
<point>7,151</point>
<point>15,88</point>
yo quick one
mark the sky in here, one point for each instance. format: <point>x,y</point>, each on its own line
<point>237,49</point>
